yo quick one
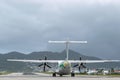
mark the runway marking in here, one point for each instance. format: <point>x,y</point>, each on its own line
<point>41,76</point>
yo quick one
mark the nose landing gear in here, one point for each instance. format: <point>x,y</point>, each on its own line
<point>72,74</point>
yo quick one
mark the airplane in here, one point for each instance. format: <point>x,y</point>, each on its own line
<point>64,66</point>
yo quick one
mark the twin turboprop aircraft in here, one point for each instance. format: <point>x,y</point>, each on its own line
<point>64,66</point>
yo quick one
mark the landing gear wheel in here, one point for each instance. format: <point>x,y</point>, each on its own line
<point>54,75</point>
<point>60,75</point>
<point>72,74</point>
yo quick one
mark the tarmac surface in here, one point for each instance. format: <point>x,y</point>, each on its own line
<point>41,76</point>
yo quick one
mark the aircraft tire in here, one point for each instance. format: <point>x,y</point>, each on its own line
<point>54,75</point>
<point>60,75</point>
<point>72,74</point>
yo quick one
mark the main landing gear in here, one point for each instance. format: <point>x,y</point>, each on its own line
<point>54,74</point>
<point>72,74</point>
<point>61,75</point>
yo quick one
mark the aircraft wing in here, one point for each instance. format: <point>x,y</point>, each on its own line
<point>57,61</point>
<point>35,61</point>
<point>92,61</point>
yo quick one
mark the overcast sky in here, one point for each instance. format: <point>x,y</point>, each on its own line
<point>27,25</point>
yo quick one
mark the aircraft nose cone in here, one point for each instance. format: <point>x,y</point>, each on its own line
<point>66,63</point>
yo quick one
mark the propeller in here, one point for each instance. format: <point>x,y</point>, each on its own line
<point>44,64</point>
<point>80,65</point>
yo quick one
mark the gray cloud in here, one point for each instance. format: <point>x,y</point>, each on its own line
<point>27,25</point>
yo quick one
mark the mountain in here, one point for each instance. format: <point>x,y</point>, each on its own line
<point>20,66</point>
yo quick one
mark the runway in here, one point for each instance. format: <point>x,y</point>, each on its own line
<point>41,76</point>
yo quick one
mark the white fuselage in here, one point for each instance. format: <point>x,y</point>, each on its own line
<point>64,68</point>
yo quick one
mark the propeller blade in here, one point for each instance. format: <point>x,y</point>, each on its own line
<point>45,58</point>
<point>79,69</point>
<point>40,65</point>
<point>80,58</point>
<point>44,68</point>
<point>79,65</point>
<point>75,65</point>
<point>48,66</point>
<point>44,64</point>
<point>83,65</point>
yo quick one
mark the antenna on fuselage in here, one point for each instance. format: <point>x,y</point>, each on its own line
<point>67,44</point>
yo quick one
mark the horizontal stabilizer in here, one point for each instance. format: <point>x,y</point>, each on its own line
<point>67,41</point>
